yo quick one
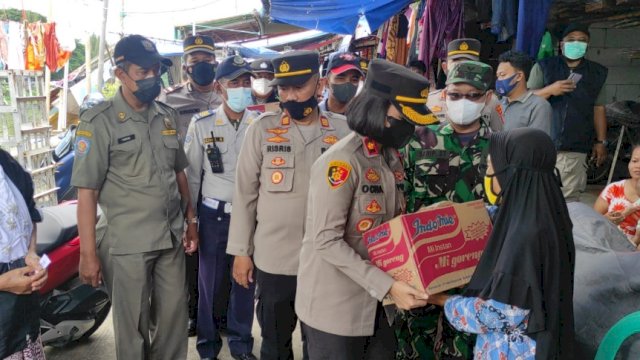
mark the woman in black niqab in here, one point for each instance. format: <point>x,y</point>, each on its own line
<point>529,259</point>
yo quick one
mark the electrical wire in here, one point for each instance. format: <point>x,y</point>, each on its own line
<point>171,11</point>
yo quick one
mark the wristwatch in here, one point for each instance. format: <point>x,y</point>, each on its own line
<point>193,220</point>
<point>603,142</point>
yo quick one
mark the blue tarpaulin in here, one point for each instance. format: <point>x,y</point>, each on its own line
<point>335,16</point>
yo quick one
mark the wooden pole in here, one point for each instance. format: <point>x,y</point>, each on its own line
<point>103,39</point>
<point>87,63</point>
<point>62,111</point>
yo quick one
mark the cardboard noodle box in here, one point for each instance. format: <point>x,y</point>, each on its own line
<point>434,249</point>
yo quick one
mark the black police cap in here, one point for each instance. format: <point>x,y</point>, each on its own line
<point>295,67</point>
<point>139,50</point>
<point>198,43</point>
<point>407,90</point>
<point>261,65</point>
<point>464,48</point>
<point>232,67</point>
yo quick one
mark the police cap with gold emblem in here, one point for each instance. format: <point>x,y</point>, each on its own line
<point>464,48</point>
<point>139,50</point>
<point>295,67</point>
<point>407,90</point>
<point>232,67</point>
<point>198,43</point>
<point>261,65</point>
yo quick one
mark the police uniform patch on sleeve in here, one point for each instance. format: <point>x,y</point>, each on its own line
<point>337,173</point>
<point>83,146</point>
<point>187,139</point>
<point>84,133</point>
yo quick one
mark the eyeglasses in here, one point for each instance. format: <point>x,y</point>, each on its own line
<point>471,96</point>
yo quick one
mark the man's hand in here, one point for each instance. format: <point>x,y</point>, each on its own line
<point>90,270</point>
<point>33,260</point>
<point>243,270</point>
<point>406,297</point>
<point>190,239</point>
<point>599,154</point>
<point>562,87</point>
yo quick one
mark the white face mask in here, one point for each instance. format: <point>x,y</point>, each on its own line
<point>463,111</point>
<point>261,86</point>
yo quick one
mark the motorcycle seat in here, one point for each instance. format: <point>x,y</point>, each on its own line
<point>59,225</point>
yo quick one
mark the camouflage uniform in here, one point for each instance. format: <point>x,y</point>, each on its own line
<point>439,168</point>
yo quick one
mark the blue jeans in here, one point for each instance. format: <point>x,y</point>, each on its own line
<point>214,264</point>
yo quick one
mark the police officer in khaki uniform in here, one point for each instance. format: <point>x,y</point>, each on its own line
<point>130,162</point>
<point>212,145</point>
<point>197,94</point>
<point>355,186</point>
<point>464,50</point>
<point>270,200</point>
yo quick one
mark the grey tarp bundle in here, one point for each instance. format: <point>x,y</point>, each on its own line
<point>607,281</point>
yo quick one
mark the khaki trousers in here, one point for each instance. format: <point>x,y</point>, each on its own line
<point>149,302</point>
<point>573,171</point>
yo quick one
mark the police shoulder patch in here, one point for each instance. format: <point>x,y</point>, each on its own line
<point>337,173</point>
<point>83,146</point>
<point>203,115</point>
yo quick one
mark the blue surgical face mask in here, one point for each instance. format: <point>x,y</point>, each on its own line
<point>505,86</point>
<point>238,98</point>
<point>574,50</point>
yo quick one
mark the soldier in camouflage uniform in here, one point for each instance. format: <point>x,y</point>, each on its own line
<point>443,162</point>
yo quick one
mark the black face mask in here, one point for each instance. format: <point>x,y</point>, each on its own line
<point>300,110</point>
<point>344,92</point>
<point>202,73</point>
<point>397,135</point>
<point>148,89</point>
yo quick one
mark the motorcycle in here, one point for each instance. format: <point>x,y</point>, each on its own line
<point>64,153</point>
<point>623,123</point>
<point>69,311</point>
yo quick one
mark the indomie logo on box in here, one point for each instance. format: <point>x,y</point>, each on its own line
<point>373,237</point>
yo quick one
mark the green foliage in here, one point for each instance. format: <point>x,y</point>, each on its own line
<point>16,15</point>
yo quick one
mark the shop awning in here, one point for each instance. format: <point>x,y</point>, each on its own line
<point>335,16</point>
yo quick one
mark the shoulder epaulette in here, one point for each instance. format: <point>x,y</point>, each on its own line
<point>203,114</point>
<point>90,114</point>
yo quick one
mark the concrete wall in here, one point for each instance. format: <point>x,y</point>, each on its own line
<point>611,48</point>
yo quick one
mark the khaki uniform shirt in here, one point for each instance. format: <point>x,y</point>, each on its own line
<point>132,161</point>
<point>492,113</point>
<point>228,139</point>
<point>272,181</point>
<point>355,186</point>
<point>188,102</point>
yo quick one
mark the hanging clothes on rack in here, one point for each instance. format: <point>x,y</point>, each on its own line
<point>532,21</point>
<point>56,56</point>
<point>546,47</point>
<point>504,21</point>
<point>15,44</point>
<point>443,21</point>
<point>36,56</point>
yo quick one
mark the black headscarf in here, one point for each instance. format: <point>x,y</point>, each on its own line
<point>529,259</point>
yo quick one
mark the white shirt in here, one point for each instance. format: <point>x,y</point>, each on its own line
<point>15,222</point>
